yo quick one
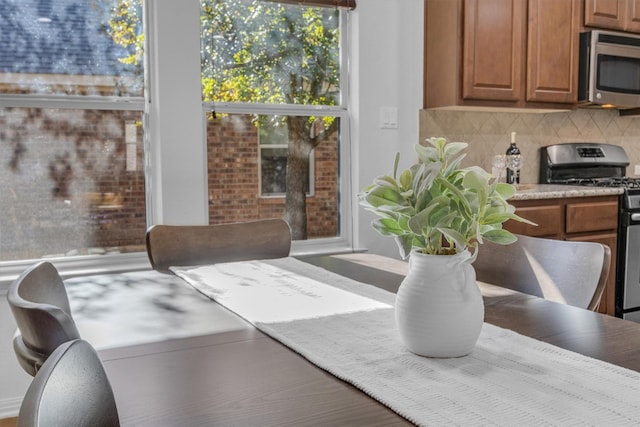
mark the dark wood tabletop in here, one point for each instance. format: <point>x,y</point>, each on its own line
<point>244,378</point>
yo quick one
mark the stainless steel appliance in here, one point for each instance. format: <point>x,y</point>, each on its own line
<point>605,165</point>
<point>609,69</point>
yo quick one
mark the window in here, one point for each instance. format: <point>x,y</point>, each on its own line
<point>273,137</point>
<point>87,164</point>
<point>273,84</point>
<point>71,128</point>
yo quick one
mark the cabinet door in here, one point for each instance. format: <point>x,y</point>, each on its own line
<point>632,17</point>
<point>552,51</point>
<point>591,216</point>
<point>493,49</point>
<point>605,13</point>
<point>548,217</point>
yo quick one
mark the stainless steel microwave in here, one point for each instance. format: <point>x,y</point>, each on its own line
<point>609,72</point>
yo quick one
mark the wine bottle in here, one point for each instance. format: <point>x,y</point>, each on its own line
<point>513,161</point>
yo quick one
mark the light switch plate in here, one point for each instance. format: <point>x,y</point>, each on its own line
<point>388,118</point>
<point>636,170</point>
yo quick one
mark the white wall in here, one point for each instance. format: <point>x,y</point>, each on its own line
<point>387,72</point>
<point>388,59</point>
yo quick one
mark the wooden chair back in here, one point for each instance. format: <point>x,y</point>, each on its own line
<point>40,306</point>
<point>569,272</point>
<point>71,389</point>
<point>187,245</point>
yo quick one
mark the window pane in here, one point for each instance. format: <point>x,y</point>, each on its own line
<point>273,134</point>
<point>73,182</point>
<point>263,57</point>
<point>79,47</point>
<point>235,178</point>
<point>72,174</point>
<point>265,52</point>
<point>273,171</point>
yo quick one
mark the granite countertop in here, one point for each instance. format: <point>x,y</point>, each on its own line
<point>554,191</point>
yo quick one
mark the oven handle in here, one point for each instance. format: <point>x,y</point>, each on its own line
<point>635,217</point>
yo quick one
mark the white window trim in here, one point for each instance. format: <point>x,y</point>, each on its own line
<point>344,241</point>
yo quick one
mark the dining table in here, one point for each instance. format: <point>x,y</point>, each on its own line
<point>244,377</point>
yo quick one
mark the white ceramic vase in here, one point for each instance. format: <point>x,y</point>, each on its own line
<point>439,309</point>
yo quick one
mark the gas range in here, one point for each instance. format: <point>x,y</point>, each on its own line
<point>604,165</point>
<point>590,164</point>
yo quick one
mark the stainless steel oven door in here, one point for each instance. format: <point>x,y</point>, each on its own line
<point>631,284</point>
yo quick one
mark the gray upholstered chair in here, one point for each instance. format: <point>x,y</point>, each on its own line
<point>40,306</point>
<point>569,272</point>
<point>70,389</point>
<point>187,245</point>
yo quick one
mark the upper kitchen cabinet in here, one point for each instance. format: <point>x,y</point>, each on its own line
<point>493,48</point>
<point>623,15</point>
<point>501,53</point>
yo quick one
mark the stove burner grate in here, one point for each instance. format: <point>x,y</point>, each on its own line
<point>624,182</point>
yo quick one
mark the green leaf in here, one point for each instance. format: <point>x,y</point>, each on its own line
<point>381,196</point>
<point>396,161</point>
<point>387,227</point>
<point>438,143</point>
<point>386,181</point>
<point>426,154</point>
<point>405,244</point>
<point>419,223</point>
<point>505,190</point>
<point>406,179</point>
<point>500,236</point>
<point>453,148</point>
<point>453,165</point>
<point>462,200</point>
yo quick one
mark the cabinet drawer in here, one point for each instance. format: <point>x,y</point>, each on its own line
<point>594,216</point>
<point>549,219</point>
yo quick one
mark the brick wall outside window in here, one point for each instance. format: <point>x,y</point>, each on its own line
<point>66,189</point>
<point>234,181</point>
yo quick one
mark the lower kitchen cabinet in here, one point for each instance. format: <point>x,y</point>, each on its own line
<point>590,219</point>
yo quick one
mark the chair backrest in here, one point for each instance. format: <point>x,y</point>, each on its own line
<point>40,306</point>
<point>187,245</point>
<point>569,272</point>
<point>71,389</point>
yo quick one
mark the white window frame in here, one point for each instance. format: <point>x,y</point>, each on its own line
<point>344,241</point>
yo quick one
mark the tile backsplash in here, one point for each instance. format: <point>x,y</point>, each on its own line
<point>489,133</point>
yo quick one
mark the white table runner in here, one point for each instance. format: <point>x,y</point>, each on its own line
<point>348,329</point>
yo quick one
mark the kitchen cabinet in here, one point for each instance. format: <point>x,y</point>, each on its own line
<point>590,219</point>
<point>622,15</point>
<point>501,53</point>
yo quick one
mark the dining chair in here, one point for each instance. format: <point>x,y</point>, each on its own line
<point>40,306</point>
<point>71,389</point>
<point>187,245</point>
<point>569,272</point>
